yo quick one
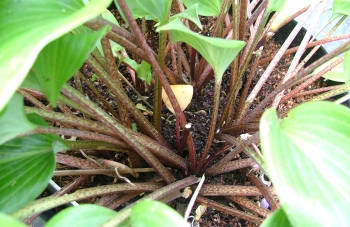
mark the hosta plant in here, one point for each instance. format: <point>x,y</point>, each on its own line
<point>80,85</point>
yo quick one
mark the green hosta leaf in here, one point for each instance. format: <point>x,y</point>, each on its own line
<point>143,70</point>
<point>307,157</point>
<point>82,216</point>
<point>150,213</point>
<point>205,7</point>
<point>277,219</point>
<point>217,51</point>
<point>158,10</point>
<point>26,166</point>
<point>27,26</point>
<point>7,220</point>
<point>60,59</point>
<point>340,8</point>
<point>275,5</point>
<point>13,120</point>
<point>191,14</point>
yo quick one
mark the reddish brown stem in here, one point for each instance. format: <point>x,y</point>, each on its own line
<point>316,91</point>
<point>112,71</point>
<point>236,130</point>
<point>231,190</point>
<point>311,80</point>
<point>76,162</point>
<point>245,202</point>
<point>102,99</point>
<point>239,147</point>
<point>161,151</point>
<point>229,210</point>
<point>309,45</point>
<point>242,106</point>
<point>32,99</point>
<point>191,155</point>
<point>201,163</point>
<point>216,155</point>
<point>64,190</point>
<point>183,142</point>
<point>262,188</point>
<point>234,165</point>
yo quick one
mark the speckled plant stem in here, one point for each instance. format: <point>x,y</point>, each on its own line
<point>231,190</point>
<point>229,210</point>
<point>50,202</point>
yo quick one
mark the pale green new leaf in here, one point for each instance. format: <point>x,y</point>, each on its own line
<point>217,51</point>
<point>205,7</point>
<point>60,59</point>
<point>307,158</point>
<point>13,120</point>
<point>27,26</point>
<point>191,14</point>
<point>340,8</point>
<point>143,70</point>
<point>86,215</point>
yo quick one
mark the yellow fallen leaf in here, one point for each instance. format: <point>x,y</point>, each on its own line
<point>183,94</point>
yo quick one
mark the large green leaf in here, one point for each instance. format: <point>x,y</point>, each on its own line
<point>7,220</point>
<point>26,166</point>
<point>205,7</point>
<point>13,120</point>
<point>340,8</point>
<point>277,219</point>
<point>150,213</point>
<point>307,157</point>
<point>82,216</point>
<point>27,26</point>
<point>157,10</point>
<point>217,51</point>
<point>60,59</point>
